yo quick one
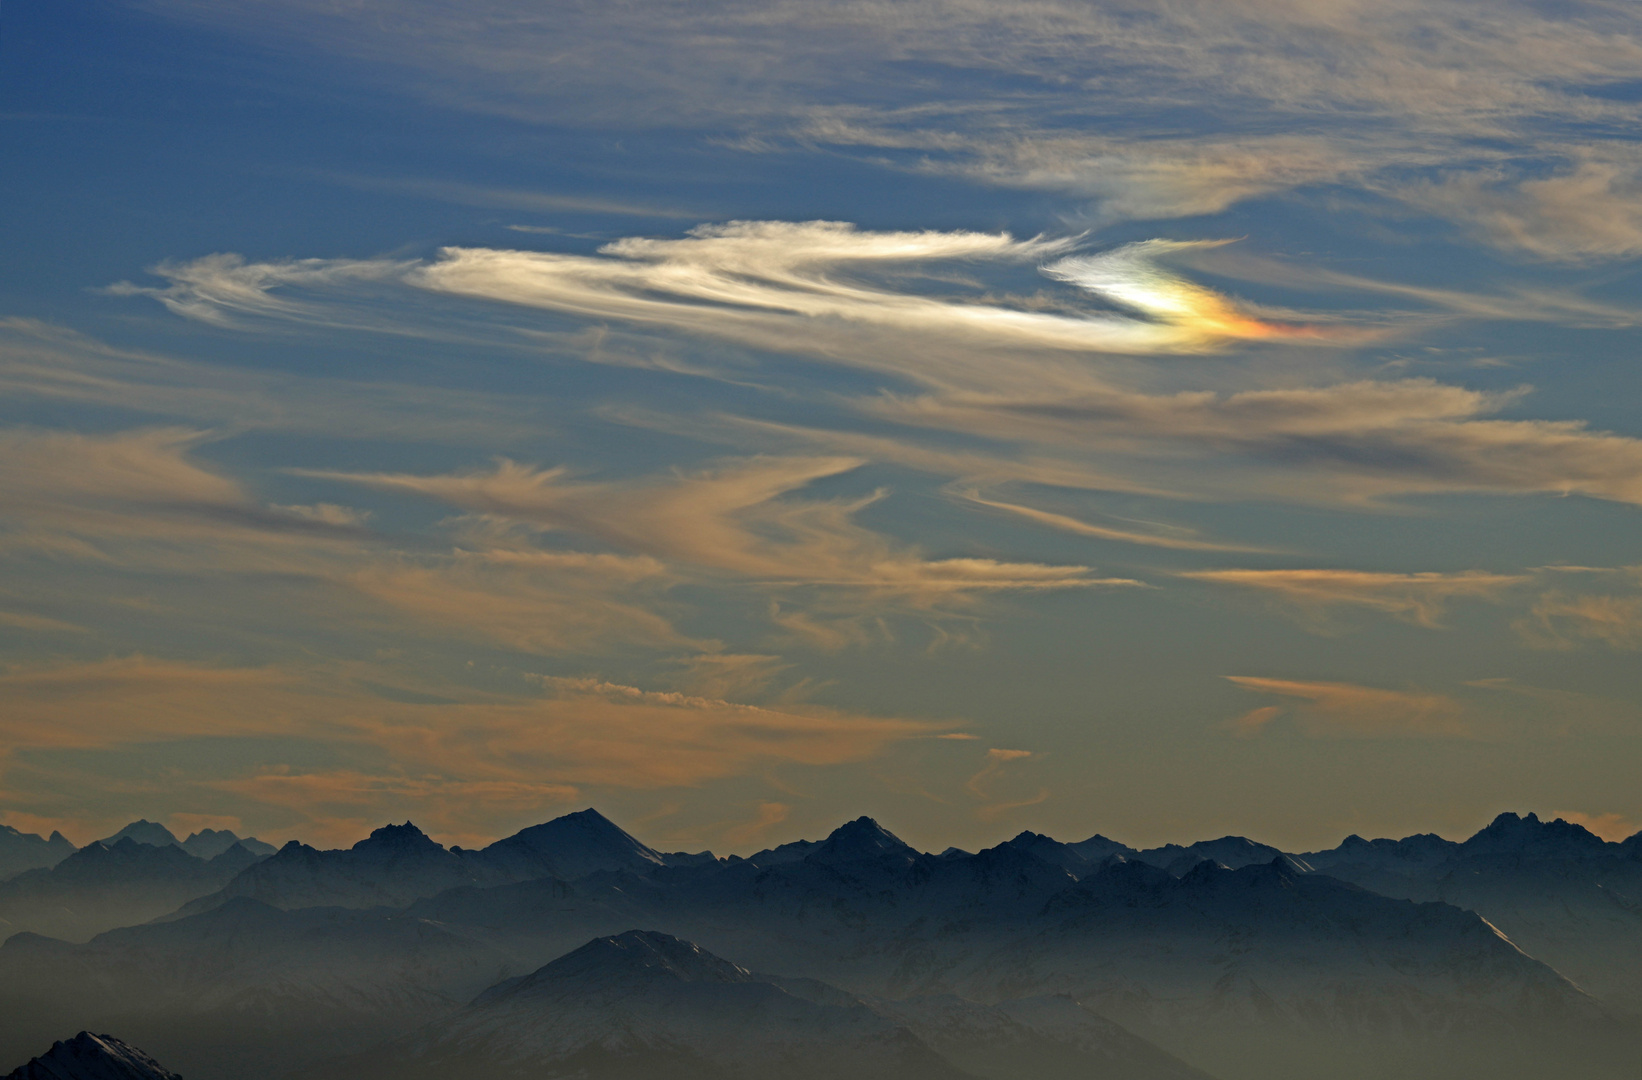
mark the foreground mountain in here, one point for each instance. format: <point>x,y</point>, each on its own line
<point>1560,892</point>
<point>93,1057</point>
<point>20,851</point>
<point>100,887</point>
<point>645,1004</point>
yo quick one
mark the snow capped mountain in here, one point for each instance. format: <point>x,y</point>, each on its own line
<point>1232,852</point>
<point>862,840</point>
<point>100,887</point>
<point>571,847</point>
<point>20,851</point>
<point>1562,893</point>
<point>93,1057</point>
<point>1280,970</point>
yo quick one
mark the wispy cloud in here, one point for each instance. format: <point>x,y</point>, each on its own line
<point>1419,598</point>
<point>1346,710</point>
<point>458,764</point>
<point>735,519</point>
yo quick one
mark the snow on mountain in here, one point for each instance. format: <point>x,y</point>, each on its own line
<point>144,831</point>
<point>1559,891</point>
<point>100,887</point>
<point>861,840</point>
<point>1232,852</point>
<point>93,1057</point>
<point>571,847</point>
<point>648,1004</point>
<point>20,851</point>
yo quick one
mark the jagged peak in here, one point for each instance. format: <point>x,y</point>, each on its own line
<point>406,837</point>
<point>861,839</point>
<point>95,1057</point>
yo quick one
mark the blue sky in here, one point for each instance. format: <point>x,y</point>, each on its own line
<point>1156,419</point>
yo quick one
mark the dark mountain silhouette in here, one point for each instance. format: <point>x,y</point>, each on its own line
<point>20,851</point>
<point>1559,891</point>
<point>100,887</point>
<point>93,1057</point>
<point>1274,970</point>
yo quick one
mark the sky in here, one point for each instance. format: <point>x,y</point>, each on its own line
<point>1163,419</point>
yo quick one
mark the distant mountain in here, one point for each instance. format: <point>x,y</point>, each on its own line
<point>93,1057</point>
<point>571,847</point>
<point>1559,891</point>
<point>393,866</point>
<point>144,831</point>
<point>100,887</point>
<point>1232,852</point>
<point>245,991</point>
<point>20,851</point>
<point>1262,960</point>
<point>1042,1038</point>
<point>209,843</point>
<point>399,864</point>
<point>646,1004</point>
<point>1268,971</point>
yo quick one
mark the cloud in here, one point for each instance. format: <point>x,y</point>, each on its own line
<point>1591,209</point>
<point>721,675</point>
<point>1419,598</point>
<point>1350,442</point>
<point>767,817</point>
<point>1563,620</point>
<point>40,362</point>
<point>1152,110</point>
<point>1611,827</point>
<point>735,519</point>
<point>459,762</point>
<point>1183,541</point>
<point>1349,711</point>
<point>756,282</point>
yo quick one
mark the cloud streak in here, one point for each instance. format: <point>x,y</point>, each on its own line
<point>1349,711</point>
<point>1418,598</point>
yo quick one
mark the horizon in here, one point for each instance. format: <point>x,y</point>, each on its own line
<point>926,847</point>
<point>1200,418</point>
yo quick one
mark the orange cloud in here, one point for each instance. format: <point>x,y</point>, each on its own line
<point>1560,620</point>
<point>1611,827</point>
<point>1345,710</point>
<point>459,764</point>
<point>1419,598</point>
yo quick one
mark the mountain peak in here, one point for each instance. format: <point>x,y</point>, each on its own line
<point>862,838</point>
<point>406,837</point>
<point>572,846</point>
<point>1509,834</point>
<point>626,962</point>
<point>143,831</point>
<point>93,1057</point>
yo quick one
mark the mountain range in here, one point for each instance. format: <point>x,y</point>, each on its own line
<point>1509,955</point>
